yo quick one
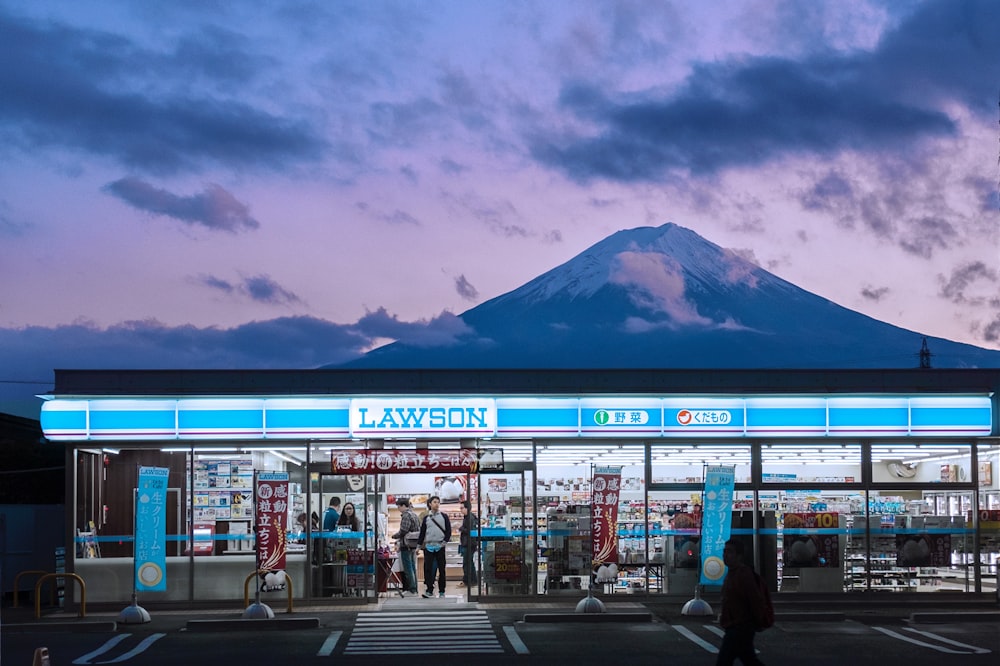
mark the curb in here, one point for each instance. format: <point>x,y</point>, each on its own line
<point>268,624</point>
<point>818,616</point>
<point>76,627</point>
<point>589,618</point>
<point>939,618</point>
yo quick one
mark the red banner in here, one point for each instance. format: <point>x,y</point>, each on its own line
<point>604,512</point>
<point>271,517</point>
<point>363,461</point>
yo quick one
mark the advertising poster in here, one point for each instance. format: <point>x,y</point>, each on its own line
<point>811,540</point>
<point>716,521</point>
<point>272,513</point>
<point>923,550</point>
<point>507,560</point>
<point>151,529</point>
<point>604,510</point>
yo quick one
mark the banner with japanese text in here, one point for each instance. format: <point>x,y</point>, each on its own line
<point>151,529</point>
<point>716,521</point>
<point>604,512</point>
<point>363,461</point>
<point>271,518</point>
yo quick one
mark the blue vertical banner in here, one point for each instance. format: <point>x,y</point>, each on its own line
<point>151,529</point>
<point>716,522</point>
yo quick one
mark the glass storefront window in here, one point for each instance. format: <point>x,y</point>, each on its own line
<point>819,462</point>
<point>921,462</point>
<point>685,463</point>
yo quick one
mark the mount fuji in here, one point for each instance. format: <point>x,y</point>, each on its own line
<point>661,298</point>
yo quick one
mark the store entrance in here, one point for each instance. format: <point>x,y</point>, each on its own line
<point>347,526</point>
<point>512,534</point>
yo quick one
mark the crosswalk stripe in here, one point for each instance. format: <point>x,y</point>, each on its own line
<point>694,638</point>
<point>430,632</point>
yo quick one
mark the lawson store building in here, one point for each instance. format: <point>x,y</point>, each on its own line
<point>880,482</point>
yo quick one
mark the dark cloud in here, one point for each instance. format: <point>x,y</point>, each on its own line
<point>956,287</point>
<point>500,216</point>
<point>401,217</point>
<point>410,174</point>
<point>263,289</point>
<point>259,288</point>
<point>31,353</point>
<point>927,234</point>
<point>215,208</point>
<point>874,293</point>
<point>465,288</point>
<point>288,342</point>
<point>452,167</point>
<point>749,111</point>
<point>91,91</point>
<point>828,194</point>
<point>445,329</point>
<point>992,331</point>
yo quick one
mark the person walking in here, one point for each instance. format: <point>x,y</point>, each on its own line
<point>435,532</point>
<point>468,545</point>
<point>741,604</point>
<point>408,522</point>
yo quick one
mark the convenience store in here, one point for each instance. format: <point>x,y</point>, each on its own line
<point>863,481</point>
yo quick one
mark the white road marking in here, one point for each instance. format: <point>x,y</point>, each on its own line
<point>85,659</point>
<point>975,650</point>
<point>138,649</point>
<point>691,636</point>
<point>720,632</point>
<point>890,632</point>
<point>515,640</point>
<point>329,644</point>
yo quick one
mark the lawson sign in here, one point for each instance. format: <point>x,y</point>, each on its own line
<point>473,417</point>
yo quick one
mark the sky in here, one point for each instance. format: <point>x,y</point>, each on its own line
<point>288,184</point>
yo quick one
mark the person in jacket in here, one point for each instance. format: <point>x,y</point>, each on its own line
<point>435,532</point>
<point>408,522</point>
<point>468,544</point>
<point>741,601</point>
<point>332,515</point>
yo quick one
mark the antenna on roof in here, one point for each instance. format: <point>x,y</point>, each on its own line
<point>925,355</point>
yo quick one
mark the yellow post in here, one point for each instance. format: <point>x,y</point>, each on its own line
<point>25,573</point>
<point>246,587</point>
<point>83,592</point>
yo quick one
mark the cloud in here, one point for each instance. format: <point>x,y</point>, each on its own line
<point>748,111</point>
<point>67,87</point>
<point>31,353</point>
<point>875,294</point>
<point>465,288</point>
<point>659,283</point>
<point>956,287</point>
<point>500,216</point>
<point>400,217</point>
<point>260,288</point>
<point>445,329</point>
<point>740,267</point>
<point>927,234</point>
<point>214,208</point>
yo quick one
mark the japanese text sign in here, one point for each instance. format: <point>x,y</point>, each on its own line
<point>151,529</point>
<point>604,509</point>
<point>271,513</point>
<point>716,521</point>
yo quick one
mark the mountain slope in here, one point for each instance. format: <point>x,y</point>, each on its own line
<point>665,297</point>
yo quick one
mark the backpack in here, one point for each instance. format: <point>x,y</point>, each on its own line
<point>763,614</point>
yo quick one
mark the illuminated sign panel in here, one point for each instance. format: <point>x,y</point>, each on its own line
<point>538,417</point>
<point>410,417</point>
<point>687,417</point>
<point>157,418</point>
<point>621,417</point>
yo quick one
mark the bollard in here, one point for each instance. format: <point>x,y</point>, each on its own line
<point>41,657</point>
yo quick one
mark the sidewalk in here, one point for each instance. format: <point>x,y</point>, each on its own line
<point>793,608</point>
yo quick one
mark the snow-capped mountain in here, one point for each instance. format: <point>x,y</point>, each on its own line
<point>666,298</point>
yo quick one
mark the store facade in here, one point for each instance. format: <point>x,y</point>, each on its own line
<point>846,482</point>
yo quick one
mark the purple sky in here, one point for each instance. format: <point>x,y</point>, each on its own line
<point>287,184</point>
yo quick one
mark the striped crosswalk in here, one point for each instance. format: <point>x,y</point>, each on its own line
<point>423,632</point>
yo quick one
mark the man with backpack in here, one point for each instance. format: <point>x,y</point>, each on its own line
<point>745,609</point>
<point>408,524</point>
<point>435,532</point>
